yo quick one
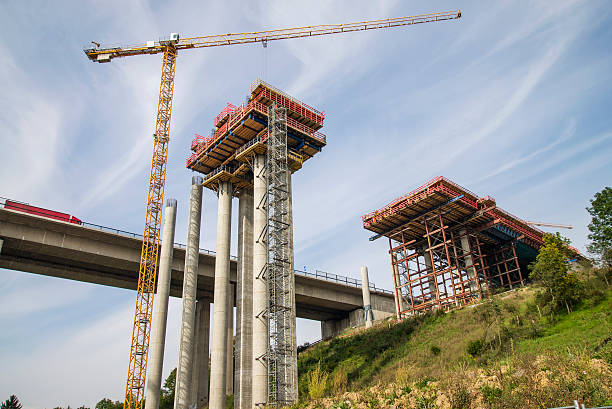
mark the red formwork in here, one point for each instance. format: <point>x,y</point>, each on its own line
<point>449,247</point>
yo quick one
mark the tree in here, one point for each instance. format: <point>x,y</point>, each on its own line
<point>601,226</point>
<point>166,398</point>
<point>11,403</point>
<point>561,286</point>
<point>109,404</point>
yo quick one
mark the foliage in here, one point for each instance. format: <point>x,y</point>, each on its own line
<point>561,286</point>
<point>601,225</point>
<point>474,347</point>
<point>11,403</point>
<point>461,398</point>
<point>317,382</point>
<point>109,404</point>
<point>435,349</point>
<point>166,398</point>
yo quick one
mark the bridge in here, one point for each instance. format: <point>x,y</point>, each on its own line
<point>96,254</point>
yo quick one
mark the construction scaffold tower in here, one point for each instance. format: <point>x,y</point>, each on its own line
<point>281,382</point>
<point>449,247</point>
<point>284,132</point>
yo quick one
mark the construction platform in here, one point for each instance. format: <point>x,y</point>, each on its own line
<point>242,131</point>
<point>449,247</point>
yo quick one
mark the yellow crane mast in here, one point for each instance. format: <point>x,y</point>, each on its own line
<point>134,390</point>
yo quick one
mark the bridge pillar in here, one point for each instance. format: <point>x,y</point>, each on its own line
<point>160,313</point>
<point>199,390</point>
<point>260,288</point>
<point>469,261</point>
<point>244,302</point>
<point>229,372</point>
<point>368,315</point>
<point>190,282</point>
<point>218,365</point>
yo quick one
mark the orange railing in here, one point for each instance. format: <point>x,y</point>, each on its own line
<point>301,109</point>
<point>228,110</point>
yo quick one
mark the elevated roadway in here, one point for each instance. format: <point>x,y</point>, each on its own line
<point>96,254</point>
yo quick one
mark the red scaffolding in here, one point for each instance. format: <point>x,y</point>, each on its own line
<point>450,247</point>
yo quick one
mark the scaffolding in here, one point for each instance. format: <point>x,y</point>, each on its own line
<point>281,382</point>
<point>448,247</point>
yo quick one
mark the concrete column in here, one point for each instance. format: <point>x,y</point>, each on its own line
<point>293,311</point>
<point>260,289</point>
<point>229,374</point>
<point>432,279</point>
<point>397,292</point>
<point>190,284</point>
<point>199,390</point>
<point>368,315</point>
<point>244,303</point>
<point>218,364</point>
<point>160,312</point>
<point>469,261</point>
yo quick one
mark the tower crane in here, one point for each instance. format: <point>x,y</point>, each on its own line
<point>169,47</point>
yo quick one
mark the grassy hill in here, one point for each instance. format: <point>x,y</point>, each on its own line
<point>502,353</point>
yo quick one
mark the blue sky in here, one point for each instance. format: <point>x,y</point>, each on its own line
<point>512,100</point>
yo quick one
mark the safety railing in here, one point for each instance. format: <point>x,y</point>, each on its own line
<point>222,168</point>
<point>259,82</point>
<point>291,105</point>
<point>354,282</point>
<point>578,405</point>
<point>229,109</point>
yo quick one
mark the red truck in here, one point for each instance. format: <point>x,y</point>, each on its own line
<point>39,211</point>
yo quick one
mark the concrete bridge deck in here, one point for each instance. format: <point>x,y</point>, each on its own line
<point>87,253</point>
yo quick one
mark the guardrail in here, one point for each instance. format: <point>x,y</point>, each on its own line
<point>578,405</point>
<point>321,275</point>
<point>354,282</point>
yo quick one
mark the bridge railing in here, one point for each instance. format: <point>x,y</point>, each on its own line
<point>320,275</point>
<point>324,275</point>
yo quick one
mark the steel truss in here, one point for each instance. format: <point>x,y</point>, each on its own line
<point>449,267</point>
<point>281,308</point>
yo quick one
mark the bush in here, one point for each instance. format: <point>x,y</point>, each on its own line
<point>317,382</point>
<point>461,398</point>
<point>475,347</point>
<point>435,349</point>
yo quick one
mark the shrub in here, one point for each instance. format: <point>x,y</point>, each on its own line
<point>490,394</point>
<point>461,398</point>
<point>402,376</point>
<point>475,347</point>
<point>435,349</point>
<point>317,382</point>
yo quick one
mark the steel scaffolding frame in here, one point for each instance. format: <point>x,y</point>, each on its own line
<point>502,269</point>
<point>281,306</point>
<point>443,270</point>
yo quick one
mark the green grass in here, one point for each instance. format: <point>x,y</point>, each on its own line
<point>428,350</point>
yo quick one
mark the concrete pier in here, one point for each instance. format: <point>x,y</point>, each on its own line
<point>469,261</point>
<point>368,315</point>
<point>190,281</point>
<point>160,312</point>
<point>199,383</point>
<point>244,303</point>
<point>397,293</point>
<point>218,364</point>
<point>260,289</point>
<point>229,372</point>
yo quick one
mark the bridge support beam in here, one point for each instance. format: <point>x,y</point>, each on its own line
<point>160,313</point>
<point>260,288</point>
<point>218,366</point>
<point>199,390</point>
<point>190,282</point>
<point>229,372</point>
<point>244,302</point>
<point>368,315</point>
